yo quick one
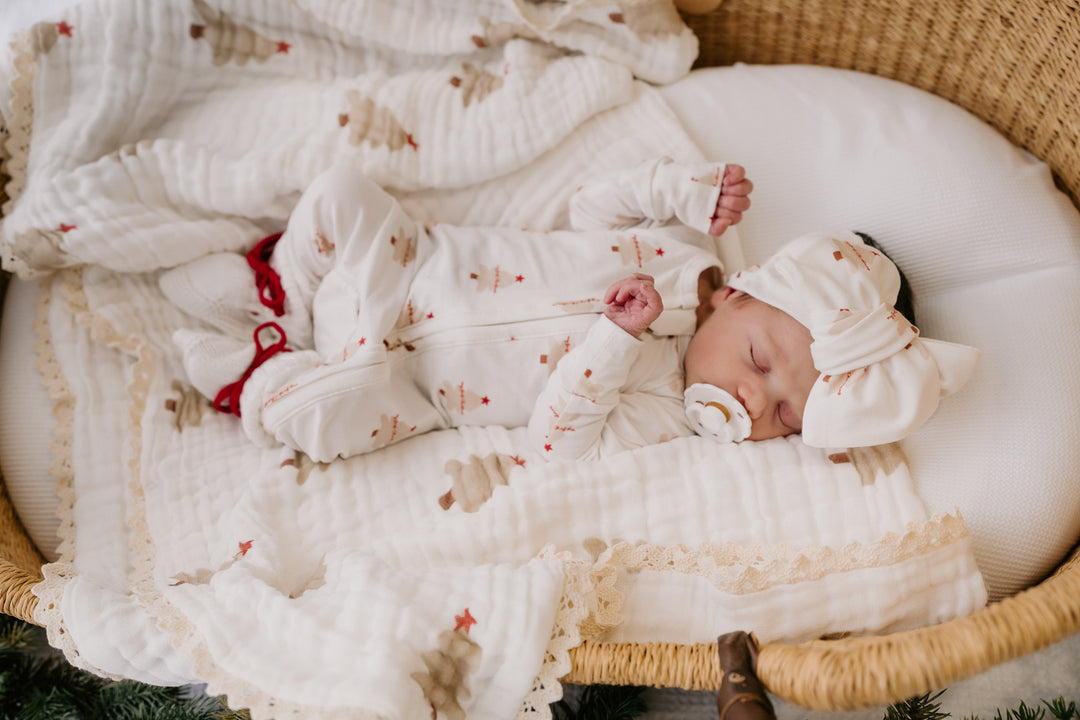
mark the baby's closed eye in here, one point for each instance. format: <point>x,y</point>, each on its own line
<point>759,361</point>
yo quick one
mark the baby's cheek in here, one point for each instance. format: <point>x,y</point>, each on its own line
<point>766,430</point>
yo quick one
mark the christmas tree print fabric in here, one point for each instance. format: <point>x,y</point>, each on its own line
<point>356,589</point>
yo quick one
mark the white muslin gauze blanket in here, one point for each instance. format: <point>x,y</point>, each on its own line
<point>454,572</point>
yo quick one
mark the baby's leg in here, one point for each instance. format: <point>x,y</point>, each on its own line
<point>339,409</point>
<point>346,262</point>
<point>342,218</point>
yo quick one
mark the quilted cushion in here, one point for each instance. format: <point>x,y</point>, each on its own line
<point>990,246</point>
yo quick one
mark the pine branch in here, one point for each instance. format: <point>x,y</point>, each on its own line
<point>1061,711</point>
<point>602,702</point>
<point>1022,712</point>
<point>15,635</point>
<point>924,707</point>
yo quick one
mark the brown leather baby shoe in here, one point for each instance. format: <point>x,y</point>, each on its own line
<point>741,696</point>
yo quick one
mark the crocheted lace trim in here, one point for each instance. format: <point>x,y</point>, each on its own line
<point>565,635</point>
<point>50,590</point>
<point>186,637</point>
<point>19,124</point>
<point>741,568</point>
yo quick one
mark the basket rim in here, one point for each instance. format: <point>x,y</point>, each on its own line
<point>932,657</point>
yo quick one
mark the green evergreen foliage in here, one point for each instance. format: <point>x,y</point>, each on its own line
<point>1061,711</point>
<point>927,707</point>
<point>602,702</point>
<point>45,687</point>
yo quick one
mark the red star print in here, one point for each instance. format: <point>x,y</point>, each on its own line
<point>64,29</point>
<point>362,341</point>
<point>67,228</point>
<point>283,47</point>
<point>430,315</point>
<point>659,252</point>
<point>485,400</point>
<point>412,143</point>
<point>517,460</point>
<point>465,621</point>
<point>520,278</point>
<point>547,447</point>
<point>244,547</point>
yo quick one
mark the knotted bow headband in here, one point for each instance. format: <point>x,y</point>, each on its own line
<point>879,379</point>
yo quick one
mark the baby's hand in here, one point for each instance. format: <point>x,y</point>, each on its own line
<point>734,200</point>
<point>633,303</point>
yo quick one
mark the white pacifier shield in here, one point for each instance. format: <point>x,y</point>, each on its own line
<point>716,414</point>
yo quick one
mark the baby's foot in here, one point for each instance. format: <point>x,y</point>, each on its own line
<point>218,289</point>
<point>734,199</point>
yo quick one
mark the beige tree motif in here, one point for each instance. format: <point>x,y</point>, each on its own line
<point>373,123</point>
<point>474,480</point>
<point>498,33</point>
<point>635,252</point>
<point>475,83</point>
<point>43,37</point>
<point>323,246</point>
<point>40,246</point>
<point>875,460</point>
<point>404,247</point>
<point>202,576</point>
<point>304,466</point>
<point>231,41</point>
<point>409,315</point>
<point>446,682</point>
<point>586,387</point>
<point>858,258</point>
<point>188,407</point>
<point>648,20</point>
<point>557,349</point>
<point>391,429</point>
<point>495,279</point>
<point>459,399</point>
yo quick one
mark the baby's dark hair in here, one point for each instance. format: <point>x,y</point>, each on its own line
<point>904,299</point>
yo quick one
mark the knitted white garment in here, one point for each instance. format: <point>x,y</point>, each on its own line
<point>213,360</point>
<point>218,289</point>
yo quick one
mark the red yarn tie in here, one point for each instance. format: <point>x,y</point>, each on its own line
<point>228,398</point>
<point>271,293</point>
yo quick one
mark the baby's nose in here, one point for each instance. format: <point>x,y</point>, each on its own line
<point>752,398</point>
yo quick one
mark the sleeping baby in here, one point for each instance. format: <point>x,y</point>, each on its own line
<point>359,327</point>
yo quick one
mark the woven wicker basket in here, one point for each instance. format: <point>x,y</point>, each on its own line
<point>1014,63</point>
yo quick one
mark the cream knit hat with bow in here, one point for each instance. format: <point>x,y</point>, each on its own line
<point>879,379</point>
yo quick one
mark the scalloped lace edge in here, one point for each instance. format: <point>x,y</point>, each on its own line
<point>739,568</point>
<point>20,127</point>
<point>50,590</point>
<point>185,636</point>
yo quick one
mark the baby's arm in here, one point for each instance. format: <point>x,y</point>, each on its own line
<point>734,200</point>
<point>708,197</point>
<point>571,413</point>
<point>633,303</point>
<point>571,418</point>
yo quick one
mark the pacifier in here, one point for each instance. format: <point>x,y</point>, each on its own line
<point>716,414</point>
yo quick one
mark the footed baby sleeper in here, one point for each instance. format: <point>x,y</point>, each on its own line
<point>372,327</point>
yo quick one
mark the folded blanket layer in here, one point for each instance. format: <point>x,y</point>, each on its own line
<point>452,572</point>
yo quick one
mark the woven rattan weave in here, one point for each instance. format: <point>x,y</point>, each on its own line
<point>1016,65</point>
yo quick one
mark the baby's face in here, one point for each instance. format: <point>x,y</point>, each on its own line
<point>759,354</point>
